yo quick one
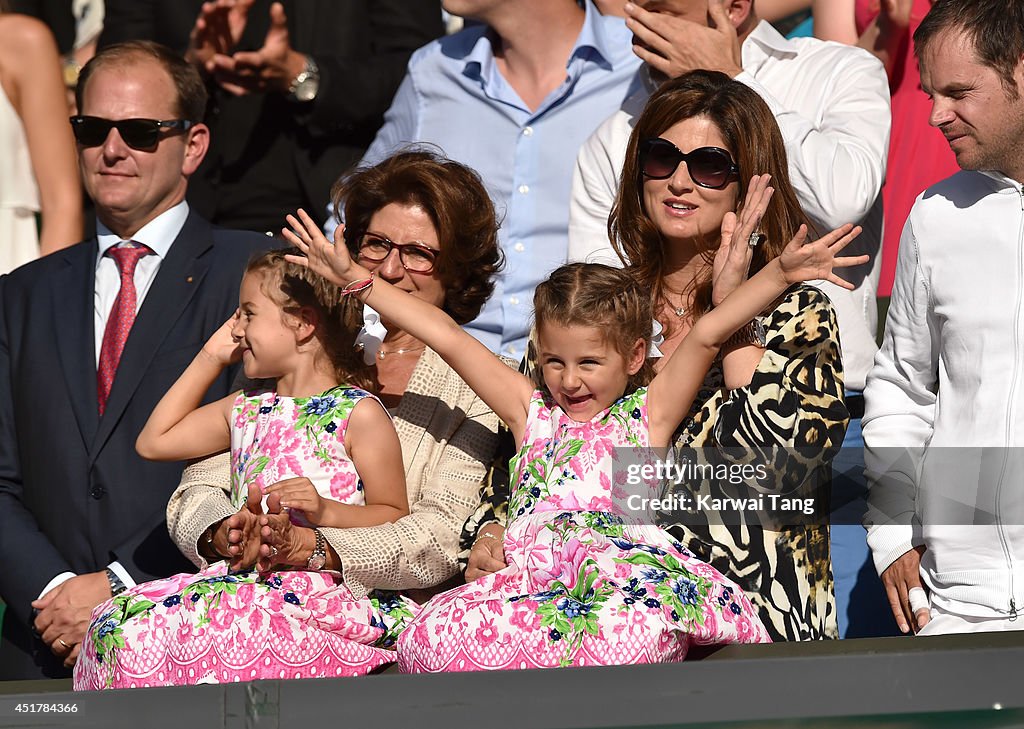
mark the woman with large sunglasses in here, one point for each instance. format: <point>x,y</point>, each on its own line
<point>705,200</point>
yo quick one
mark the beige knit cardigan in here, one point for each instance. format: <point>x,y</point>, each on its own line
<point>448,437</point>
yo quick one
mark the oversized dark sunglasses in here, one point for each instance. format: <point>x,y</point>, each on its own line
<point>415,257</point>
<point>144,134</point>
<point>710,167</point>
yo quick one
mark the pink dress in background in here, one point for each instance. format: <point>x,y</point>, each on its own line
<point>583,587</point>
<point>217,627</point>
<point>919,155</point>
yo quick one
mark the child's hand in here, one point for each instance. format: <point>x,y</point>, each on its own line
<point>299,493</point>
<point>332,261</point>
<point>802,261</point>
<point>222,348</point>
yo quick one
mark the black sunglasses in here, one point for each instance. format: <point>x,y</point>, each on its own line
<point>709,167</point>
<point>92,131</point>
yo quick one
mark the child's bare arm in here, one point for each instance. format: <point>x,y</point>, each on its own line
<point>179,428</point>
<point>506,391</point>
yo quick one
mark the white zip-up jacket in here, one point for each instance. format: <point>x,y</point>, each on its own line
<point>946,395</point>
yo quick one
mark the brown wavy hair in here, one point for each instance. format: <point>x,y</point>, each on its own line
<point>596,295</point>
<point>753,139</point>
<point>339,317</point>
<point>454,198</point>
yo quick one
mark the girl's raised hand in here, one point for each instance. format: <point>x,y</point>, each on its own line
<point>221,347</point>
<point>332,261</point>
<point>732,260</point>
<point>803,261</point>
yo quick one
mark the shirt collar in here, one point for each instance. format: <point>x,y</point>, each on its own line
<point>158,234</point>
<point>593,40</point>
<point>765,41</point>
<point>594,37</point>
<point>1003,183</point>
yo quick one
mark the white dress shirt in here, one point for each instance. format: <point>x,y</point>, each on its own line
<point>832,105</point>
<point>158,234</point>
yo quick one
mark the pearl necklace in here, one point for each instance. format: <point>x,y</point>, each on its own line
<point>382,353</point>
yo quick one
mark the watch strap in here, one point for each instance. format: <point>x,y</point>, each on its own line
<point>116,585</point>
<point>752,333</point>
<point>318,558</point>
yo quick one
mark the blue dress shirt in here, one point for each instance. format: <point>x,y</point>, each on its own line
<point>454,96</point>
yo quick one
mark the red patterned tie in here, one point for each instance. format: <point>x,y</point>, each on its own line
<point>122,316</point>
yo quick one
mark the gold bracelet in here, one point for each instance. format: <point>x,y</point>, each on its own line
<point>487,535</point>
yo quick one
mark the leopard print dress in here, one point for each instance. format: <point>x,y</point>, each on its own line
<point>793,404</point>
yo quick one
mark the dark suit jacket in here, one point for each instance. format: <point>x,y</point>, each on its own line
<point>269,155</point>
<point>74,494</point>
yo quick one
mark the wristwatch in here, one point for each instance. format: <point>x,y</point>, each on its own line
<point>116,586</point>
<point>753,333</point>
<point>305,86</point>
<point>318,559</point>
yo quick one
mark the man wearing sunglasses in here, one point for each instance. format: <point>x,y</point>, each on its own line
<point>90,339</point>
<point>831,102</point>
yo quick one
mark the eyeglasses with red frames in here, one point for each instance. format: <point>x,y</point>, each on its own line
<point>415,257</point>
<point>710,167</point>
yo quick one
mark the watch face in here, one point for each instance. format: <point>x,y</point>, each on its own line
<point>307,88</point>
<point>760,334</point>
<point>317,561</point>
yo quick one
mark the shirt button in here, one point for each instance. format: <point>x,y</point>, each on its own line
<point>523,189</point>
<point>528,131</point>
<point>519,247</point>
<point>510,349</point>
<point>97,492</point>
<point>514,300</point>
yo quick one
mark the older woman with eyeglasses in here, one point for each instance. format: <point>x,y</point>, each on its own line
<point>705,199</point>
<point>426,225</point>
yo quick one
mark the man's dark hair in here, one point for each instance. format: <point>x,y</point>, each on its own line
<point>187,81</point>
<point>994,27</point>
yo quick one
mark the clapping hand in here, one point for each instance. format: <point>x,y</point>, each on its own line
<point>271,68</point>
<point>300,494</point>
<point>217,31</point>
<point>332,261</point>
<point>803,261</point>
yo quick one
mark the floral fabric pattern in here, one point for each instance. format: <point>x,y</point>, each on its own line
<point>584,586</point>
<point>273,437</point>
<point>217,627</point>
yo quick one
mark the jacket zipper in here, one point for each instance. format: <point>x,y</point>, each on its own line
<point>1007,554</point>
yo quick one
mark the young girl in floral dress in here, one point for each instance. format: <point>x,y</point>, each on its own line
<point>583,586</point>
<point>328,450</point>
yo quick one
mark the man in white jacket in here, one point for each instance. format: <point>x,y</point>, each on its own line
<point>944,417</point>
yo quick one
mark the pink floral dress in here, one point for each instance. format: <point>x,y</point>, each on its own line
<point>583,585</point>
<point>217,627</point>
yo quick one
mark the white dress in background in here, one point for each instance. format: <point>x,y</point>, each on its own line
<point>19,194</point>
